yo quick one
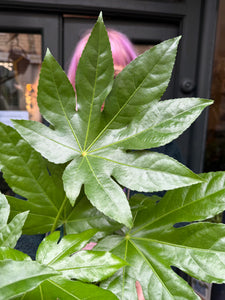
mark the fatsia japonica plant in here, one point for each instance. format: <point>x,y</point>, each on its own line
<point>73,172</point>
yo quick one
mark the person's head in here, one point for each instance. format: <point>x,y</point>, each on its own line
<point>123,52</point>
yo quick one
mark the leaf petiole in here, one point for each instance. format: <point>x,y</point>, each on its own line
<point>54,226</point>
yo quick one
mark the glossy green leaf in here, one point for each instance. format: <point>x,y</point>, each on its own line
<point>50,250</point>
<point>17,277</point>
<point>94,142</point>
<point>194,203</point>
<point>62,288</point>
<point>65,257</point>
<point>163,122</point>
<point>10,233</point>
<point>156,243</point>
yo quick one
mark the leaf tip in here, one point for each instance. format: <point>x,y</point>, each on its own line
<point>100,17</point>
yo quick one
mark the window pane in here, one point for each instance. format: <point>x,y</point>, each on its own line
<point>20,60</point>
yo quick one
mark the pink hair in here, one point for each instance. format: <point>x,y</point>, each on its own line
<point>123,52</point>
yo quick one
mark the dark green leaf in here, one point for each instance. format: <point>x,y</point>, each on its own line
<point>26,171</point>
<point>28,175</point>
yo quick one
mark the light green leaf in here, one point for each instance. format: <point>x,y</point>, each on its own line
<point>65,257</point>
<point>4,210</point>
<point>154,245</point>
<point>94,143</point>
<point>102,191</point>
<point>155,171</point>
<point>10,233</point>
<point>17,277</point>
<point>13,254</point>
<point>62,288</point>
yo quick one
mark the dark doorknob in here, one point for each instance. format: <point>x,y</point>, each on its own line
<point>187,86</point>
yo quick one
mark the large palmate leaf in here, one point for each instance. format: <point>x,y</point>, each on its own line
<point>10,233</point>
<point>96,142</point>
<point>154,244</point>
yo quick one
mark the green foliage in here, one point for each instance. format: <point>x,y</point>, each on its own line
<point>19,274</point>
<point>72,175</point>
<point>153,245</point>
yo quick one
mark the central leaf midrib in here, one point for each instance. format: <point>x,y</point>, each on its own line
<point>125,258</point>
<point>177,245</point>
<point>128,100</point>
<point>92,100</point>
<point>50,139</point>
<point>95,266</point>
<point>134,167</point>
<point>151,267</point>
<point>61,288</point>
<point>98,181</point>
